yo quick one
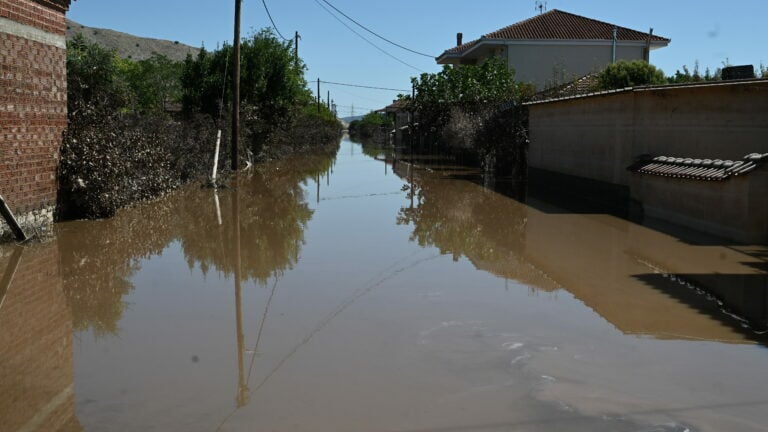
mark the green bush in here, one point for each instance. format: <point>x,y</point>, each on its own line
<point>623,74</point>
<point>373,126</point>
<point>273,90</point>
<point>457,107</point>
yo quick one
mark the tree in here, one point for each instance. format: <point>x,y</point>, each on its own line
<point>624,74</point>
<point>92,79</point>
<point>464,109</point>
<point>152,83</point>
<point>272,88</point>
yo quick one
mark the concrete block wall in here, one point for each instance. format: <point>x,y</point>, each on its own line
<point>597,137</point>
<point>33,104</point>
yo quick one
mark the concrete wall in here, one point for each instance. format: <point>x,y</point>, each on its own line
<point>33,104</point>
<point>552,64</point>
<point>736,209</point>
<point>597,137</point>
<point>587,137</point>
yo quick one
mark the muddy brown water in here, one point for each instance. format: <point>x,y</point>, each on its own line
<point>335,293</point>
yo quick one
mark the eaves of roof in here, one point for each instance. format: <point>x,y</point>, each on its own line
<point>57,5</point>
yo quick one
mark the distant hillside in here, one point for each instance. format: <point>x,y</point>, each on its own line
<point>351,119</point>
<point>130,46</point>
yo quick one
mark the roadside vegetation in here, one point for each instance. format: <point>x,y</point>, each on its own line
<point>473,112</point>
<point>140,128</point>
<point>373,128</point>
<point>624,74</point>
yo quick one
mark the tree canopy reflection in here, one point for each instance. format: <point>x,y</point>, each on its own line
<point>100,258</point>
<point>273,215</point>
<point>461,218</point>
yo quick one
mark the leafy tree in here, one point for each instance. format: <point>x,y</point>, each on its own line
<point>272,89</point>
<point>624,74</point>
<point>204,82</point>
<point>92,78</point>
<point>371,125</point>
<point>456,107</point>
<point>152,83</point>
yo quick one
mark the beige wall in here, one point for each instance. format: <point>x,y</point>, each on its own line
<point>736,209</point>
<point>589,137</point>
<point>545,64</point>
<point>598,137</point>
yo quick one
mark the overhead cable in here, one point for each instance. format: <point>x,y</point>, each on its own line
<point>363,86</point>
<point>264,2</point>
<point>374,33</point>
<point>366,39</point>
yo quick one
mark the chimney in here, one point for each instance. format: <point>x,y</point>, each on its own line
<point>459,38</point>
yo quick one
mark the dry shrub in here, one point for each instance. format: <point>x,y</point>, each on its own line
<point>108,162</point>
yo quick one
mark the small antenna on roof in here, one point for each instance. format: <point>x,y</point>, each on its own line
<point>541,6</point>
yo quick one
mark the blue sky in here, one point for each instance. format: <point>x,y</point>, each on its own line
<point>705,30</point>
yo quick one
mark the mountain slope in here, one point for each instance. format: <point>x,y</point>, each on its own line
<point>130,46</point>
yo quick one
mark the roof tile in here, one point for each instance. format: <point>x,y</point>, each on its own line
<point>697,169</point>
<point>559,25</point>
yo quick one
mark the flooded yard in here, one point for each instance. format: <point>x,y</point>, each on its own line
<point>337,293</point>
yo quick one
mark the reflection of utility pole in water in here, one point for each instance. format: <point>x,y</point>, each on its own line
<point>10,272</point>
<point>317,180</point>
<point>243,393</point>
<point>218,205</point>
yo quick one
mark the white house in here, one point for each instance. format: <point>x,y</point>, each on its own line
<point>556,47</point>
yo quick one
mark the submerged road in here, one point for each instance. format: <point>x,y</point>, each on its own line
<point>335,292</point>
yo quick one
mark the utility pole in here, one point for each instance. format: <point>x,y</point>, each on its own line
<point>296,38</point>
<point>318,95</point>
<point>328,100</point>
<point>236,89</point>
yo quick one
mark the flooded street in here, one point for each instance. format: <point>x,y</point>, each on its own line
<point>335,293</point>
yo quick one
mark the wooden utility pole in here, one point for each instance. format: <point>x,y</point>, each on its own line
<point>328,100</point>
<point>236,88</point>
<point>242,382</point>
<point>318,95</point>
<point>296,38</point>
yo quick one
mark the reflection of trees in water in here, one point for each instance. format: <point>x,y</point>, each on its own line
<point>374,147</point>
<point>461,218</point>
<point>274,213</point>
<point>99,258</point>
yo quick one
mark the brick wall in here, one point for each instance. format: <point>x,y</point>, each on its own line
<point>36,357</point>
<point>33,101</point>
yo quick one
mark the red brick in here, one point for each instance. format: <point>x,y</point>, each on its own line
<point>32,107</point>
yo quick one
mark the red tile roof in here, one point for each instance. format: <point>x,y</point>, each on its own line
<point>559,25</point>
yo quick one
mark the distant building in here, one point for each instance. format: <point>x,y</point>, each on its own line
<point>555,47</point>
<point>33,105</point>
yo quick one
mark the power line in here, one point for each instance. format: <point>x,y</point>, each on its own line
<point>366,39</point>
<point>264,2</point>
<point>349,108</point>
<point>364,86</point>
<point>374,33</point>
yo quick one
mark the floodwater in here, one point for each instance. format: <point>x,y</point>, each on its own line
<point>335,293</point>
